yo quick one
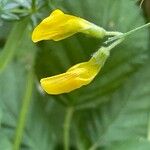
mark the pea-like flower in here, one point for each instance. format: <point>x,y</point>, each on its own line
<point>77,76</point>
<point>59,26</point>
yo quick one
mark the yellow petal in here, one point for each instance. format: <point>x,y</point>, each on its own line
<point>58,26</point>
<point>77,76</point>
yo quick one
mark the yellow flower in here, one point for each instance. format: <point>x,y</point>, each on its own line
<point>77,76</point>
<point>59,26</point>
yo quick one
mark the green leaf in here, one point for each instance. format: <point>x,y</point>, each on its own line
<point>125,117</point>
<point>12,43</point>
<point>4,143</point>
<point>131,145</point>
<point>110,113</point>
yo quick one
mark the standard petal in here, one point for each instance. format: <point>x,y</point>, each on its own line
<point>59,26</point>
<point>75,77</point>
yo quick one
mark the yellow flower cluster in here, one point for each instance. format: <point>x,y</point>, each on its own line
<point>59,26</point>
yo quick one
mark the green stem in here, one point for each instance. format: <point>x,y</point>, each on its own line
<point>33,5</point>
<point>12,43</point>
<point>114,44</point>
<point>136,29</point>
<point>141,3</point>
<point>113,33</point>
<point>67,122</point>
<point>103,53</point>
<point>148,131</point>
<point>23,114</point>
<point>127,33</point>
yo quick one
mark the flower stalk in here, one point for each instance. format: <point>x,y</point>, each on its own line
<point>124,35</point>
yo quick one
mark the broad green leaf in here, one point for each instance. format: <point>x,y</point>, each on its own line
<point>44,129</point>
<point>5,144</point>
<point>43,112</point>
<point>131,145</point>
<point>114,108</point>
<point>125,117</point>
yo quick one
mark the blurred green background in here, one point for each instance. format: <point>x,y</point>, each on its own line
<point>111,113</point>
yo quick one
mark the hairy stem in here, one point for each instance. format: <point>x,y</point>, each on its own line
<point>113,33</point>
<point>136,29</point>
<point>114,44</point>
<point>127,33</point>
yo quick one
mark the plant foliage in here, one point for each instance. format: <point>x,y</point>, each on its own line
<point>112,113</point>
